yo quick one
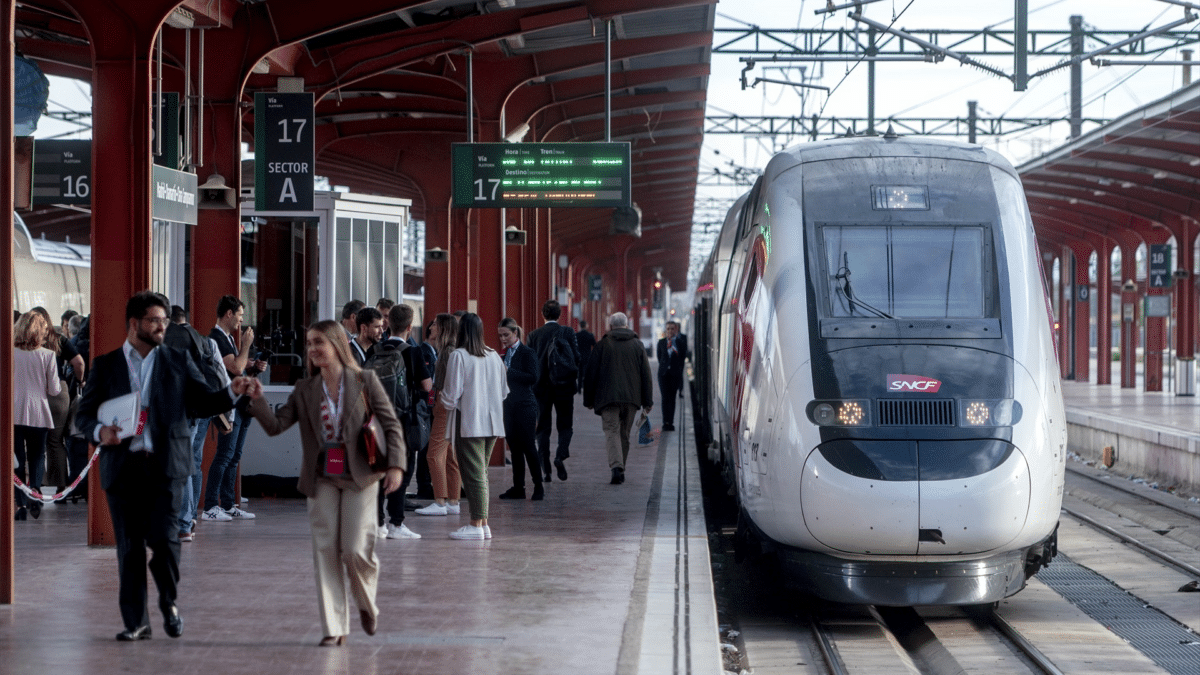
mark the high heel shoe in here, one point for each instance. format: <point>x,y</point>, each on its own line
<point>35,509</point>
<point>332,641</point>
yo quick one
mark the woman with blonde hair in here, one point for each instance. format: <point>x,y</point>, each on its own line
<point>443,465</point>
<point>35,382</point>
<point>342,489</point>
<point>474,395</point>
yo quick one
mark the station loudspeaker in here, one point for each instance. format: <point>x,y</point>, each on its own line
<point>437,255</point>
<point>214,194</point>
<point>514,236</point>
<point>626,220</point>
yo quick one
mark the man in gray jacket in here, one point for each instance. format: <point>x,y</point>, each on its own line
<point>616,383</point>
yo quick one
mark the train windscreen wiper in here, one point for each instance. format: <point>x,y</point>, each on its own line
<point>844,275</point>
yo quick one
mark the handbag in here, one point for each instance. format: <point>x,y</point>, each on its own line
<point>644,437</point>
<point>371,441</point>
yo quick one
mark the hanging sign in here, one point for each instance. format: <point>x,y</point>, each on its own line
<point>62,172</point>
<point>284,155</point>
<point>1159,270</point>
<point>518,175</point>
<point>173,196</point>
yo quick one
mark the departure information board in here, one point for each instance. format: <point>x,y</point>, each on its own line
<point>518,175</point>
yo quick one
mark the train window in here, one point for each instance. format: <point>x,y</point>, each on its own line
<point>751,280</point>
<point>906,271</point>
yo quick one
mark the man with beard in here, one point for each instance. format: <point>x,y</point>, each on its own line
<point>143,474</point>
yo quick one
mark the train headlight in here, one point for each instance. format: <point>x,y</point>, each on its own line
<point>989,413</point>
<point>840,413</point>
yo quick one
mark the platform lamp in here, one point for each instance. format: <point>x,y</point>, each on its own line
<point>215,194</point>
<point>1129,286</point>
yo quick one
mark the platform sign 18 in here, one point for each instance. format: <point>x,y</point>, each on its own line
<point>1159,269</point>
<point>517,175</point>
<point>62,172</point>
<point>284,156</point>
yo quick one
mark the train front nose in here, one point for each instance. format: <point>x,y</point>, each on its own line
<point>915,497</point>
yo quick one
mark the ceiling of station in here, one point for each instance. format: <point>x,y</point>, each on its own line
<point>1134,180</point>
<point>390,82</point>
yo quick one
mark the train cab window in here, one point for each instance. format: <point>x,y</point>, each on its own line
<point>907,271</point>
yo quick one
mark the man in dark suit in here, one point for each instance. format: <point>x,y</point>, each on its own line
<point>557,396</point>
<point>143,475</point>
<point>671,352</point>
<point>587,342</point>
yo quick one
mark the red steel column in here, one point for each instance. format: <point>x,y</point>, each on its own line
<point>8,9</point>
<point>1185,292</point>
<point>1083,312</point>
<point>1104,312</point>
<point>1129,317</point>
<point>122,33</point>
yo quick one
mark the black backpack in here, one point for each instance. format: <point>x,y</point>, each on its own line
<point>387,362</point>
<point>560,360</point>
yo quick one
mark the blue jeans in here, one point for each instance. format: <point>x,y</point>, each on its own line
<point>191,487</point>
<point>223,471</point>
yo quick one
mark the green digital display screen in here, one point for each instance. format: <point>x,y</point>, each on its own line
<point>519,175</point>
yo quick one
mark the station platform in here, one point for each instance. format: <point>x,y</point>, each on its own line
<point>595,579</point>
<point>1154,435</point>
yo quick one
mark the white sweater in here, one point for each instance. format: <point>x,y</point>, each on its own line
<point>475,387</point>
<point>35,380</point>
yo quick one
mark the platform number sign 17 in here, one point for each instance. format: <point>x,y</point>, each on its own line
<point>1159,268</point>
<point>284,157</point>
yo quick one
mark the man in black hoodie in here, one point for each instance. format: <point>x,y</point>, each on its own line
<point>616,383</point>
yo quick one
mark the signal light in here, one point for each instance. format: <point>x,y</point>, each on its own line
<point>657,284</point>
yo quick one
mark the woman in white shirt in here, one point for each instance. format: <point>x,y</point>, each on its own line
<point>35,381</point>
<point>474,394</point>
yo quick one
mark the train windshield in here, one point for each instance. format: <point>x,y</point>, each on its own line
<point>906,271</point>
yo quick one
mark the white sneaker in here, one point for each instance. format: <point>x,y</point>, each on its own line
<point>434,509</point>
<point>215,513</point>
<point>381,532</point>
<point>470,532</point>
<point>401,532</point>
<point>453,509</point>
<point>487,532</point>
<point>237,514</point>
<point>245,501</point>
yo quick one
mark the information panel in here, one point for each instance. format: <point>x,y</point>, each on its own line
<point>1159,268</point>
<point>518,175</point>
<point>62,172</point>
<point>284,157</point>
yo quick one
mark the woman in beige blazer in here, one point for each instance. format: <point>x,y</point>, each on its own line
<point>35,382</point>
<point>330,406</point>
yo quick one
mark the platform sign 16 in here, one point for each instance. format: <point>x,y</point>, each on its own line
<point>517,175</point>
<point>284,156</point>
<point>1159,269</point>
<point>62,172</point>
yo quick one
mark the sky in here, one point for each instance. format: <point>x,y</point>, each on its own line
<point>920,89</point>
<point>905,89</point>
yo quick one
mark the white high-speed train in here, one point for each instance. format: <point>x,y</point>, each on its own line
<point>49,274</point>
<point>876,376</point>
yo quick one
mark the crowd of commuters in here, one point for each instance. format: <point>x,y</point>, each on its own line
<point>442,404</point>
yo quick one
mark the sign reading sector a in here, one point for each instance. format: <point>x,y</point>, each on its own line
<point>1159,266</point>
<point>284,158</point>
<point>517,175</point>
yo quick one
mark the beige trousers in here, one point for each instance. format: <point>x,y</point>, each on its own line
<point>617,421</point>
<point>343,535</point>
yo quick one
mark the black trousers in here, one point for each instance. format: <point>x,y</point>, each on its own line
<point>669,386</point>
<point>520,431</point>
<point>30,449</point>
<point>562,402</point>
<point>394,502</point>
<point>145,513</point>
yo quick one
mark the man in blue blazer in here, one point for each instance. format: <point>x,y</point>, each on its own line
<point>143,476</point>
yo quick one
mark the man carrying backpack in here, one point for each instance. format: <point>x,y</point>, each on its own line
<point>558,355</point>
<point>401,371</point>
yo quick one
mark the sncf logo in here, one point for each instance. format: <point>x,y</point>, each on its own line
<point>913,383</point>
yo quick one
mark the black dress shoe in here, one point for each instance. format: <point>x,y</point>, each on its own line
<point>538,494</point>
<point>546,479</point>
<point>172,621</point>
<point>20,514</point>
<point>134,634</point>
<point>618,476</point>
<point>562,469</point>
<point>35,508</point>
<point>513,493</point>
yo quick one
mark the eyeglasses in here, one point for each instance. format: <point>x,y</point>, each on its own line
<point>160,320</point>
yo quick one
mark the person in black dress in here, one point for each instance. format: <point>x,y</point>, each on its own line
<point>520,411</point>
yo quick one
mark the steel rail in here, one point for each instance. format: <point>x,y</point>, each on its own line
<point>1157,499</point>
<point>1025,646</point>
<point>825,646</point>
<point>1165,557</point>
